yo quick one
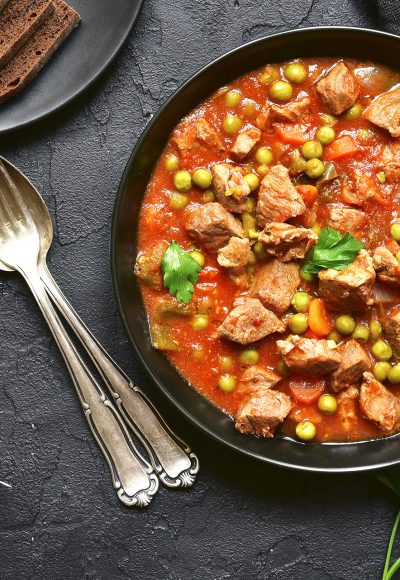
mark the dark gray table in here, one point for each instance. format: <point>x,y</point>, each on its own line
<point>61,520</point>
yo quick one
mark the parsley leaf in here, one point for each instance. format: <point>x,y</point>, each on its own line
<point>180,272</point>
<point>333,251</point>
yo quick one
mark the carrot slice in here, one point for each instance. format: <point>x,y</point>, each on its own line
<point>309,193</point>
<point>341,147</point>
<point>297,134</point>
<point>319,320</point>
<point>306,390</point>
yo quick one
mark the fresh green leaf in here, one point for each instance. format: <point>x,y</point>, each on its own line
<point>333,251</point>
<point>180,272</point>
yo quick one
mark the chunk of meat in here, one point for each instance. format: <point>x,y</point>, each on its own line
<point>392,331</point>
<point>349,290</point>
<point>245,142</point>
<point>338,89</point>
<point>212,226</point>
<point>278,199</point>
<point>360,188</point>
<point>262,413</point>
<point>292,111</point>
<point>386,265</point>
<point>287,242</point>
<point>348,408</point>
<point>379,405</point>
<point>195,134</point>
<point>389,162</point>
<point>250,321</point>
<point>353,364</point>
<point>229,186</point>
<point>256,379</point>
<point>262,118</point>
<point>275,283</point>
<point>345,219</point>
<point>384,111</point>
<point>309,356</point>
<point>235,257</point>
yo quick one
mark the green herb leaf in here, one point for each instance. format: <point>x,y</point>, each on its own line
<point>333,251</point>
<point>180,272</point>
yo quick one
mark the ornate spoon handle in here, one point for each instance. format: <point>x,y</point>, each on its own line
<point>172,459</point>
<point>132,476</point>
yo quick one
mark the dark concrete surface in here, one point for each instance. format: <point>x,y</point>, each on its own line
<point>61,519</point>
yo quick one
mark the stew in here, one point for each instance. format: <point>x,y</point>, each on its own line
<point>268,250</point>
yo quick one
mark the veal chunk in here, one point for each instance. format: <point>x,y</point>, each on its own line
<point>292,111</point>
<point>211,225</point>
<point>309,356</point>
<point>348,408</point>
<point>354,362</point>
<point>349,290</point>
<point>386,265</point>
<point>278,199</point>
<point>392,331</point>
<point>235,257</point>
<point>287,242</point>
<point>245,142</point>
<point>360,189</point>
<point>384,111</point>
<point>338,89</point>
<point>262,413</point>
<point>249,321</point>
<point>379,405</point>
<point>256,379</point>
<point>275,283</point>
<point>195,134</point>
<point>230,188</point>
<point>389,162</point>
<point>345,219</point>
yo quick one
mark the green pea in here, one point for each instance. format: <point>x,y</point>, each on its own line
<point>249,357</point>
<point>381,370</point>
<point>202,178</point>
<point>298,323</point>
<point>178,201</point>
<point>328,119</point>
<point>182,180</point>
<point>307,276</point>
<point>252,181</point>
<point>260,251</point>
<point>394,374</point>
<point>171,162</point>
<point>208,196</point>
<point>345,324</point>
<point>301,301</point>
<point>249,226</point>
<point>325,135</point>
<point>232,124</point>
<point>227,383</point>
<point>198,256</point>
<point>250,204</point>
<point>252,259</point>
<point>306,430</point>
<point>314,168</point>
<point>295,72</point>
<point>327,404</point>
<point>365,134</point>
<point>375,329</point>
<point>264,156</point>
<point>382,350</point>
<point>198,354</point>
<point>281,91</point>
<point>311,150</point>
<point>226,363</point>
<point>269,74</point>
<point>381,176</point>
<point>395,232</point>
<point>200,322</point>
<point>361,332</point>
<point>232,98</point>
<point>354,112</point>
<point>262,170</point>
<point>334,335</point>
<point>316,228</point>
<point>297,165</point>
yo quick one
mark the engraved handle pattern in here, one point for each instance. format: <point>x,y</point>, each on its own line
<point>172,459</point>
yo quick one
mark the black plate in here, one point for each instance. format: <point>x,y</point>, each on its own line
<point>351,42</point>
<point>105,25</point>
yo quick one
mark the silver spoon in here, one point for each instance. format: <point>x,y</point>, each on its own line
<point>172,459</point>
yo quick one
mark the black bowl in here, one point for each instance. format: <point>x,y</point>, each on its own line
<point>333,41</point>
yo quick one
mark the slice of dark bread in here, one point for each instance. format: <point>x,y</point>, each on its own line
<point>2,4</point>
<point>28,61</point>
<point>18,21</point>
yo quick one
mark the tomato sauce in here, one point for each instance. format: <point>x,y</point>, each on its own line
<point>199,354</point>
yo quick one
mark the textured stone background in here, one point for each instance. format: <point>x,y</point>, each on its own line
<point>61,520</point>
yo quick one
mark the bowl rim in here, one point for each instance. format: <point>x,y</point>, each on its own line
<point>113,259</point>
